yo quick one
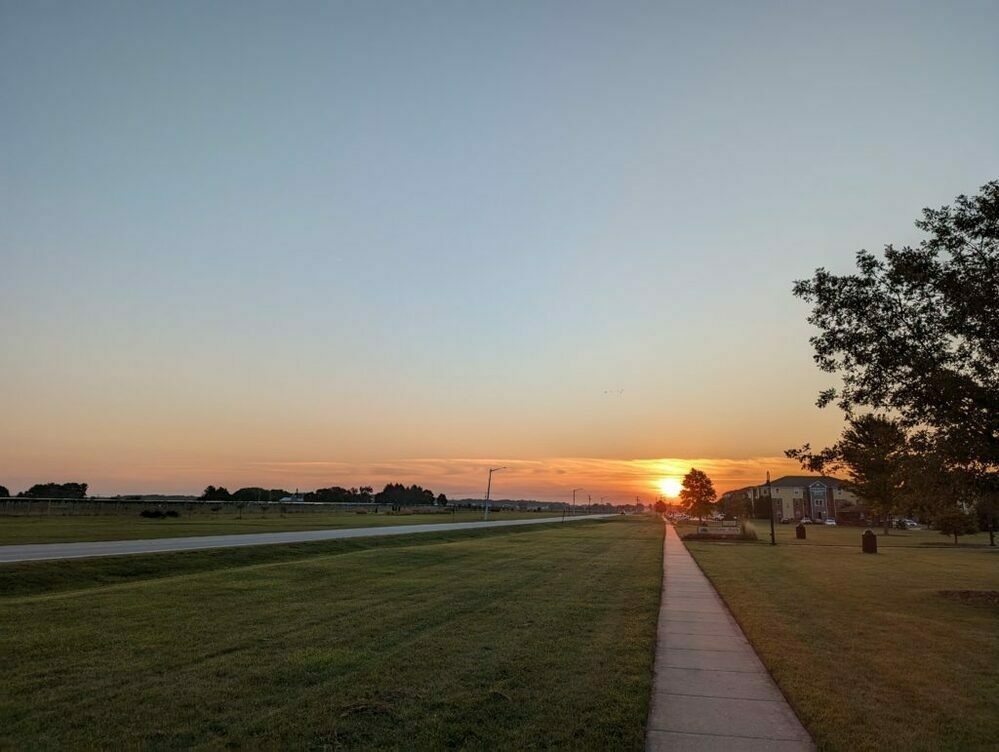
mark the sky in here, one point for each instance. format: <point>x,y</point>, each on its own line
<point>307,244</point>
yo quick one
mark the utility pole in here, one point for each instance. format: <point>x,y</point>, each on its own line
<point>574,500</point>
<point>489,486</point>
<point>773,534</point>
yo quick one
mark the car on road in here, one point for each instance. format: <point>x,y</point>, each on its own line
<point>830,521</point>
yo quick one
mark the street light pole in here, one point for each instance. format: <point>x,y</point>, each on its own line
<point>489,486</point>
<point>574,500</point>
<point>773,535</point>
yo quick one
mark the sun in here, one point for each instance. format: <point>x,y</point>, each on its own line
<point>670,487</point>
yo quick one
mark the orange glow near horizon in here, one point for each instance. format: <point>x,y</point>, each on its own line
<point>618,481</point>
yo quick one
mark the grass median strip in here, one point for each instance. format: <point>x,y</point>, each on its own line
<point>508,638</point>
<point>867,649</point>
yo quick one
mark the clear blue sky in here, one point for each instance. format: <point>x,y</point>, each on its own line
<point>245,233</point>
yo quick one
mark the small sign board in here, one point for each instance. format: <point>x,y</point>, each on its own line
<point>721,529</point>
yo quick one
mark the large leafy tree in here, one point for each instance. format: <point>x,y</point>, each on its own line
<point>915,333</point>
<point>698,493</point>
<point>873,451</point>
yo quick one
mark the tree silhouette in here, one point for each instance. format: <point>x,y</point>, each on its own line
<point>874,453</point>
<point>916,334</point>
<point>698,493</point>
<point>957,522</point>
<point>56,491</point>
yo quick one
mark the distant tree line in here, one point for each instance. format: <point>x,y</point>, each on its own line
<point>338,495</point>
<point>50,491</point>
<point>251,493</point>
<point>398,495</point>
<point>394,495</point>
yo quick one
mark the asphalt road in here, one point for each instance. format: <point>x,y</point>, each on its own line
<point>49,551</point>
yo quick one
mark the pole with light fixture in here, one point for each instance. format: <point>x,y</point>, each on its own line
<point>489,486</point>
<point>770,493</point>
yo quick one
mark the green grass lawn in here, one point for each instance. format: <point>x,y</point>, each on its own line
<point>65,529</point>
<point>843,535</point>
<point>868,652</point>
<point>830,535</point>
<point>538,637</point>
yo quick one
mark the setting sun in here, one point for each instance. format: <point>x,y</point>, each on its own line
<point>670,487</point>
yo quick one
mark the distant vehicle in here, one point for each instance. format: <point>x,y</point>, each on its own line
<point>805,520</point>
<point>830,521</point>
<point>911,524</point>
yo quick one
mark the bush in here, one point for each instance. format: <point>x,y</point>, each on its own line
<point>956,522</point>
<point>158,514</point>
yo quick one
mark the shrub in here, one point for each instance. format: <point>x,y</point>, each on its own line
<point>158,514</point>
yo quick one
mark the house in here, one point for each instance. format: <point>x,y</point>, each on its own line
<point>817,497</point>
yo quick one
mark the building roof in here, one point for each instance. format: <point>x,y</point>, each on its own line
<point>804,480</point>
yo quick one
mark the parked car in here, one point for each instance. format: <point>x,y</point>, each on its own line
<point>830,521</point>
<point>805,520</point>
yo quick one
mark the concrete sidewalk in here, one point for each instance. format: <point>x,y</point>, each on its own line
<point>710,691</point>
